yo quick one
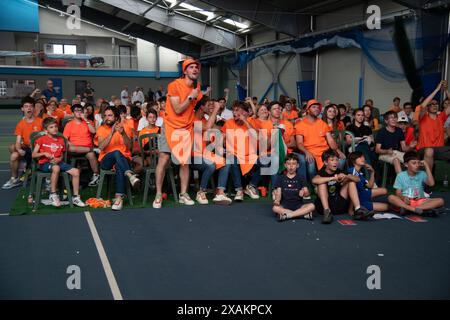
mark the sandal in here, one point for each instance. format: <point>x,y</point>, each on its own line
<point>309,216</point>
<point>282,217</point>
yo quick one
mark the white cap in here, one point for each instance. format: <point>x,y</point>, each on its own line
<point>403,118</point>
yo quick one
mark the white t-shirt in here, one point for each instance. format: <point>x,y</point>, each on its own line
<point>124,97</point>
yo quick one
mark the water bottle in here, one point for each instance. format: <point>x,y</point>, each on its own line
<point>445,182</point>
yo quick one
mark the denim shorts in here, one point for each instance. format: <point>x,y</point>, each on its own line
<point>47,167</point>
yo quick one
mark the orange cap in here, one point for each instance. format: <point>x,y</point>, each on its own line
<point>188,62</point>
<point>313,102</point>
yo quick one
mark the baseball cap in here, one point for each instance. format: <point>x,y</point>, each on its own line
<point>403,118</point>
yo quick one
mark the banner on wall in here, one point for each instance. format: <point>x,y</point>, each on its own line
<point>305,91</point>
<point>241,92</point>
<point>57,86</point>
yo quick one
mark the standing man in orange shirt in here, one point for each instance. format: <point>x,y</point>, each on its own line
<point>177,131</point>
<point>431,144</point>
<point>21,149</point>
<point>313,137</point>
<point>115,142</point>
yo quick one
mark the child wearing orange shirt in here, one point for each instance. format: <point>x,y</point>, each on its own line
<point>21,149</point>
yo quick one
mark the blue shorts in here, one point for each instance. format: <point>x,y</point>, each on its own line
<point>365,198</point>
<point>47,167</point>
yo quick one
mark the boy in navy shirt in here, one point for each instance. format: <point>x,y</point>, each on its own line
<point>290,189</point>
<point>366,190</point>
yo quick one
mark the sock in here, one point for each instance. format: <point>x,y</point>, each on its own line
<point>357,208</point>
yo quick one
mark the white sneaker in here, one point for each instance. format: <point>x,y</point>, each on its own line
<point>157,203</point>
<point>12,183</point>
<point>201,198</point>
<point>185,199</point>
<point>251,192</point>
<point>239,196</point>
<point>427,195</point>
<point>54,198</point>
<point>78,202</point>
<point>135,182</point>
<point>222,199</point>
<point>118,204</point>
<point>94,181</point>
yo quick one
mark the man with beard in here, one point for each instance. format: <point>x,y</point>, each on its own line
<point>115,143</point>
<point>177,131</point>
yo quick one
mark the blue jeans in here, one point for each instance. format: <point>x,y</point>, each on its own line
<point>122,167</point>
<point>233,166</point>
<point>256,173</point>
<point>207,169</point>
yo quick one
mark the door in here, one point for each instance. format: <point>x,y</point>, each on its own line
<point>124,57</point>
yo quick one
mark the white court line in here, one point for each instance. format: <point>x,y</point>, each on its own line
<point>4,214</point>
<point>103,257</point>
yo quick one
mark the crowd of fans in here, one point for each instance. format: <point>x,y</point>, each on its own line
<point>317,157</point>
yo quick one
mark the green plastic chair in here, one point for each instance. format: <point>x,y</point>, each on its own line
<point>109,175</point>
<point>152,153</point>
<point>37,176</point>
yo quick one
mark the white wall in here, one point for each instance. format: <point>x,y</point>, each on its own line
<point>146,55</point>
<point>168,59</point>
<point>52,23</point>
<point>383,91</point>
<point>339,73</point>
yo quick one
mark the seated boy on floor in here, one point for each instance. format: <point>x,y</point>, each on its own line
<point>366,190</point>
<point>409,195</point>
<point>334,189</point>
<point>290,189</point>
<point>49,149</point>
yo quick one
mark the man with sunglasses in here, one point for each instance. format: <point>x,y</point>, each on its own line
<point>431,144</point>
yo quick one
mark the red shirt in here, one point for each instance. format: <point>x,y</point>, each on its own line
<point>48,144</point>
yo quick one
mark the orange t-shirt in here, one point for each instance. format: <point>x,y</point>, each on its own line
<point>314,137</point>
<point>25,129</point>
<point>173,122</point>
<point>148,130</point>
<point>288,132</point>
<point>200,145</point>
<point>78,134</point>
<point>238,143</point>
<point>67,109</point>
<point>289,115</point>
<point>431,131</point>
<point>58,115</point>
<point>416,113</point>
<point>116,142</point>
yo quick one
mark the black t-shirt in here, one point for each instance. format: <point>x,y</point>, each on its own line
<point>347,120</point>
<point>290,187</point>
<point>334,187</point>
<point>389,139</point>
<point>359,131</point>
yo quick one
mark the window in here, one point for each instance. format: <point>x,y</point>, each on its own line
<point>61,48</point>
<point>22,88</point>
<point>3,85</point>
